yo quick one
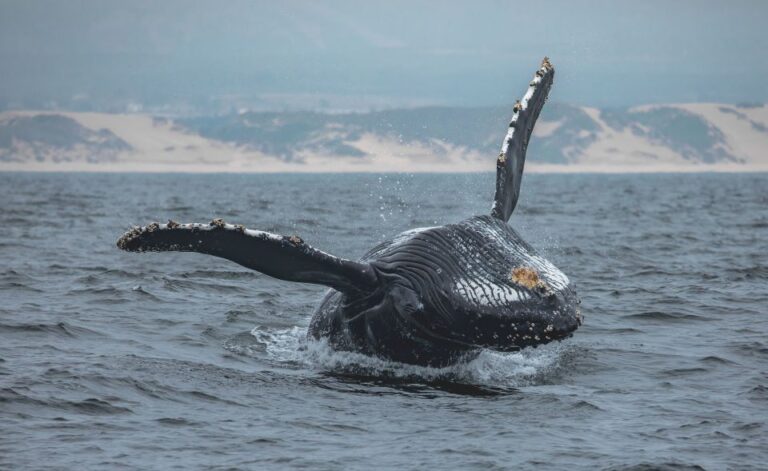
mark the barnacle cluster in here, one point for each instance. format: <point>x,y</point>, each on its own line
<point>218,223</point>
<point>123,241</point>
<point>528,277</point>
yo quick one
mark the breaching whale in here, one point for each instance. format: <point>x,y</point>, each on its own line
<point>429,296</point>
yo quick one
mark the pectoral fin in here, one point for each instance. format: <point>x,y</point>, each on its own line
<point>285,257</point>
<point>509,167</point>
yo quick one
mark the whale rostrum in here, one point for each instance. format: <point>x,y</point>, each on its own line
<point>430,296</point>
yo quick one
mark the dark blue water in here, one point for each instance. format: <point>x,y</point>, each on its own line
<point>181,361</point>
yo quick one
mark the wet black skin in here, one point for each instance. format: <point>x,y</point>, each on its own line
<point>415,315</point>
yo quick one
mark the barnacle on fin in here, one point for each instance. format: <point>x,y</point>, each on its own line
<point>124,242</point>
<point>218,223</point>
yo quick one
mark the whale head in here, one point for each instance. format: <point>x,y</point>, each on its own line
<point>444,291</point>
<point>504,316</point>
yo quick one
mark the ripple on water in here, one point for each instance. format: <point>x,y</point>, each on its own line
<point>26,402</point>
<point>658,466</point>
<point>665,316</point>
<point>63,329</point>
<point>181,285</point>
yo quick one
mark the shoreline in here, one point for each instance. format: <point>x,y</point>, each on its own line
<point>140,143</point>
<point>531,169</point>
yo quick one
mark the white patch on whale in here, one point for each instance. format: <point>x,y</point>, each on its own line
<point>556,279</point>
<point>407,235</point>
<point>484,292</point>
<point>524,106</point>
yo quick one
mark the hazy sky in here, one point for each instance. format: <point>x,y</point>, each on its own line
<point>607,53</point>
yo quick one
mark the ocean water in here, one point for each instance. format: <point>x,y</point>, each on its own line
<point>114,360</point>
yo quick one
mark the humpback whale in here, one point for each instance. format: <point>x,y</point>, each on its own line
<point>430,296</point>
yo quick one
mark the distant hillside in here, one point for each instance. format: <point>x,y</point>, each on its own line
<point>56,138</point>
<point>480,130</point>
<point>567,138</point>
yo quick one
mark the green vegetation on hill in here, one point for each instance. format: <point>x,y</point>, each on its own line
<point>480,129</point>
<point>55,136</point>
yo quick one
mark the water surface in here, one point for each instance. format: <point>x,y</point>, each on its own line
<point>183,361</point>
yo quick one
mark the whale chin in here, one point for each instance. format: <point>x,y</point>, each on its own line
<point>554,318</point>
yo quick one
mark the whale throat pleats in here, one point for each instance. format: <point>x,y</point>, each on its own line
<point>509,166</point>
<point>285,257</point>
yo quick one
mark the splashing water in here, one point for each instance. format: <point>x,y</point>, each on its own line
<point>290,346</point>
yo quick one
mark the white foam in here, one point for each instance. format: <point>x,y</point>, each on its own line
<point>489,368</point>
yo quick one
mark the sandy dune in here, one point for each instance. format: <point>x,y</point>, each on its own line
<point>158,145</point>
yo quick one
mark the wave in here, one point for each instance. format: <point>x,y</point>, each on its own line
<point>223,274</point>
<point>658,466</point>
<point>747,273</point>
<point>177,285</point>
<point>90,406</point>
<point>18,286</point>
<point>61,329</point>
<point>669,316</point>
<point>97,278</point>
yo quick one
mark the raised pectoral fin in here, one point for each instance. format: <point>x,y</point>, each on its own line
<point>509,167</point>
<point>286,258</point>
